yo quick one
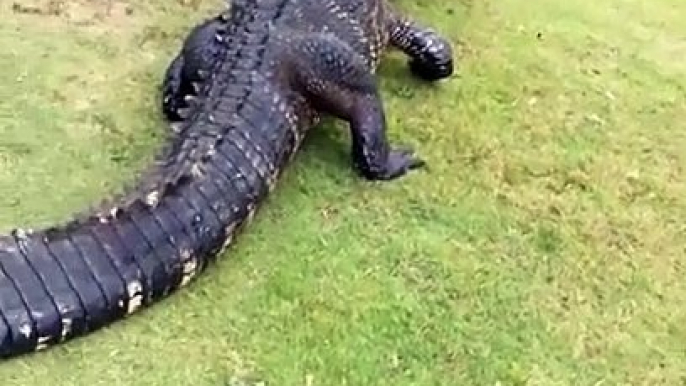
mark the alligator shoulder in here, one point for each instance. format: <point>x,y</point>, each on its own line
<point>277,67</point>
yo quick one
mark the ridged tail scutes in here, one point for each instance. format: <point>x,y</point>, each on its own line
<point>64,281</point>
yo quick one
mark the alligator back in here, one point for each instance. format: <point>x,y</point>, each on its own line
<point>245,124</point>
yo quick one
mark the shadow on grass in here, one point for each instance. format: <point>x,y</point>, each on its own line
<point>328,145</point>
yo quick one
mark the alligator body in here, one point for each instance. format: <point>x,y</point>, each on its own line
<point>253,91</point>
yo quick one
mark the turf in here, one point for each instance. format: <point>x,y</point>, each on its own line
<point>543,246</point>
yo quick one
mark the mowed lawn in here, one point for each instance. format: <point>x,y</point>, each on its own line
<point>545,244</point>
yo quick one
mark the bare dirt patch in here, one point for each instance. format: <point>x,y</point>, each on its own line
<point>79,12</point>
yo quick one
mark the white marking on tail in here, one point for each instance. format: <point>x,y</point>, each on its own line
<point>228,237</point>
<point>42,343</point>
<point>153,198</point>
<point>251,214</point>
<point>134,290</point>
<point>25,329</point>
<point>66,327</point>
<point>190,269</point>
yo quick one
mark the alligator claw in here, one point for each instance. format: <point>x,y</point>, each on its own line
<point>429,71</point>
<point>400,161</point>
<point>183,112</point>
<point>189,98</point>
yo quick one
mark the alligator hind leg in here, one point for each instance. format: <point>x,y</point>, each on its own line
<point>174,89</point>
<point>431,56</point>
<point>186,71</point>
<point>338,82</point>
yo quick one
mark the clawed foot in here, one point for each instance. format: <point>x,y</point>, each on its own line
<point>399,162</point>
<point>171,106</point>
<point>431,72</point>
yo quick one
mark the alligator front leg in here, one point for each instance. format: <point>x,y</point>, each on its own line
<point>339,83</point>
<point>431,56</point>
<point>187,70</point>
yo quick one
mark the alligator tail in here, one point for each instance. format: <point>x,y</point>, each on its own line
<point>64,281</point>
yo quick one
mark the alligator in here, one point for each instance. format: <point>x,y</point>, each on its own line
<point>243,91</point>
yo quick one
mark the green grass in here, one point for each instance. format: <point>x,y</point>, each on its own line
<point>544,246</point>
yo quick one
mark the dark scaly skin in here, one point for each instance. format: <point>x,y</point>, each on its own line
<point>431,57</point>
<point>282,65</point>
<point>200,50</point>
